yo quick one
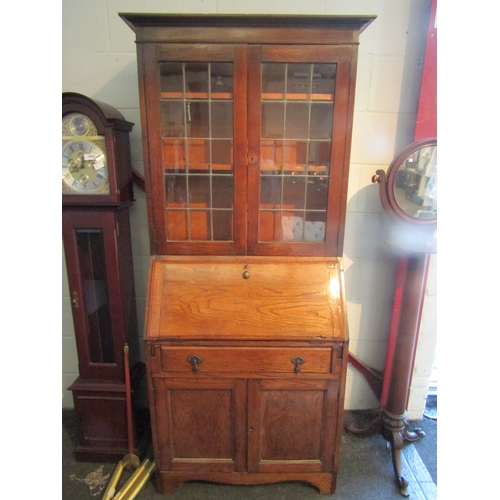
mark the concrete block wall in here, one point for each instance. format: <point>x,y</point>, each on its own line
<point>101,63</point>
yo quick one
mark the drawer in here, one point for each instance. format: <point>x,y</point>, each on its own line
<point>246,359</point>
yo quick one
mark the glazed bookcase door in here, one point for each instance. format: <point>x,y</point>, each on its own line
<point>299,99</point>
<point>196,120</point>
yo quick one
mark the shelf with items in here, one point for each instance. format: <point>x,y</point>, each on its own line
<point>186,154</point>
<point>196,95</point>
<point>277,96</point>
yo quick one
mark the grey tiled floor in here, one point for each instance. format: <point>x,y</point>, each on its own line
<point>365,472</point>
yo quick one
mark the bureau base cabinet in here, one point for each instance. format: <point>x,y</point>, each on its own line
<point>241,430</point>
<point>229,409</point>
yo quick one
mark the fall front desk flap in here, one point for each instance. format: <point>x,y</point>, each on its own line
<point>247,298</point>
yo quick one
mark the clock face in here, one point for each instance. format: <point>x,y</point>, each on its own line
<point>84,168</point>
<point>84,163</point>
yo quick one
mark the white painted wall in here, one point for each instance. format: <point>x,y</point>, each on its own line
<point>99,60</point>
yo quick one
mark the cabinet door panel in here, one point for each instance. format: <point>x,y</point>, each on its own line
<point>291,425</point>
<point>200,424</point>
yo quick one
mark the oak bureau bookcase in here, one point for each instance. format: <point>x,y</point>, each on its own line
<point>246,125</point>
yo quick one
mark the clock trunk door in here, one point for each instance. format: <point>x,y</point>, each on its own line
<point>196,121</point>
<point>93,280</point>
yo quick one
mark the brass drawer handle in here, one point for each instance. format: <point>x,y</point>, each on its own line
<point>194,361</point>
<point>297,361</point>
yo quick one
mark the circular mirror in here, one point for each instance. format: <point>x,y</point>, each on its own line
<point>409,189</point>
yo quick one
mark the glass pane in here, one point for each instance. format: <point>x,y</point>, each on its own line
<point>269,226</point>
<point>197,126</point>
<point>319,157</point>
<point>223,225</point>
<point>92,263</point>
<point>221,80</point>
<point>271,156</point>
<point>272,120</point>
<point>297,109</point>
<point>270,192</point>
<point>273,80</point>
<point>222,157</point>
<point>173,155</point>
<point>297,120</point>
<point>176,191</point>
<point>317,193</point>
<point>295,158</point>
<point>197,80</point>
<point>199,191</point>
<point>298,85</point>
<point>292,226</point>
<point>200,225</point>
<point>172,79</point>
<point>197,119</point>
<point>177,225</point>
<point>314,227</point>
<point>172,118</point>
<point>294,191</point>
<point>198,154</point>
<point>321,121</point>
<point>324,81</point>
<point>222,189</point>
<point>222,119</point>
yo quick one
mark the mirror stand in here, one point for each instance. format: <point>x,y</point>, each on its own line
<point>391,421</point>
<point>408,193</point>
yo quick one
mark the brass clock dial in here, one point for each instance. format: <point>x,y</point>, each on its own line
<point>84,163</point>
<point>84,166</point>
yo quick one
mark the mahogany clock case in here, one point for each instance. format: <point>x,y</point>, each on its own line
<point>98,250</point>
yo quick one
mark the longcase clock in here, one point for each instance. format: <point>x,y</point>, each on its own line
<point>96,195</point>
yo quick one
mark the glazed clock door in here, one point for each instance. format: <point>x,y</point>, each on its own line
<point>93,276</point>
<point>299,100</point>
<point>291,425</point>
<point>197,147</point>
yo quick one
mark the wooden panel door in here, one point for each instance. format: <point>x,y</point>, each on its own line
<point>292,425</point>
<point>200,424</point>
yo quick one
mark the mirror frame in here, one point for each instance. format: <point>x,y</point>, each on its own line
<point>386,182</point>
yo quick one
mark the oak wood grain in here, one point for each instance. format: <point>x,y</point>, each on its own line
<point>246,359</point>
<point>209,298</point>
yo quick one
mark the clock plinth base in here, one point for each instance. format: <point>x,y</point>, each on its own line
<point>91,454</point>
<point>101,420</point>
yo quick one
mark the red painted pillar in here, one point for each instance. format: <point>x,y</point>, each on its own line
<point>426,125</point>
